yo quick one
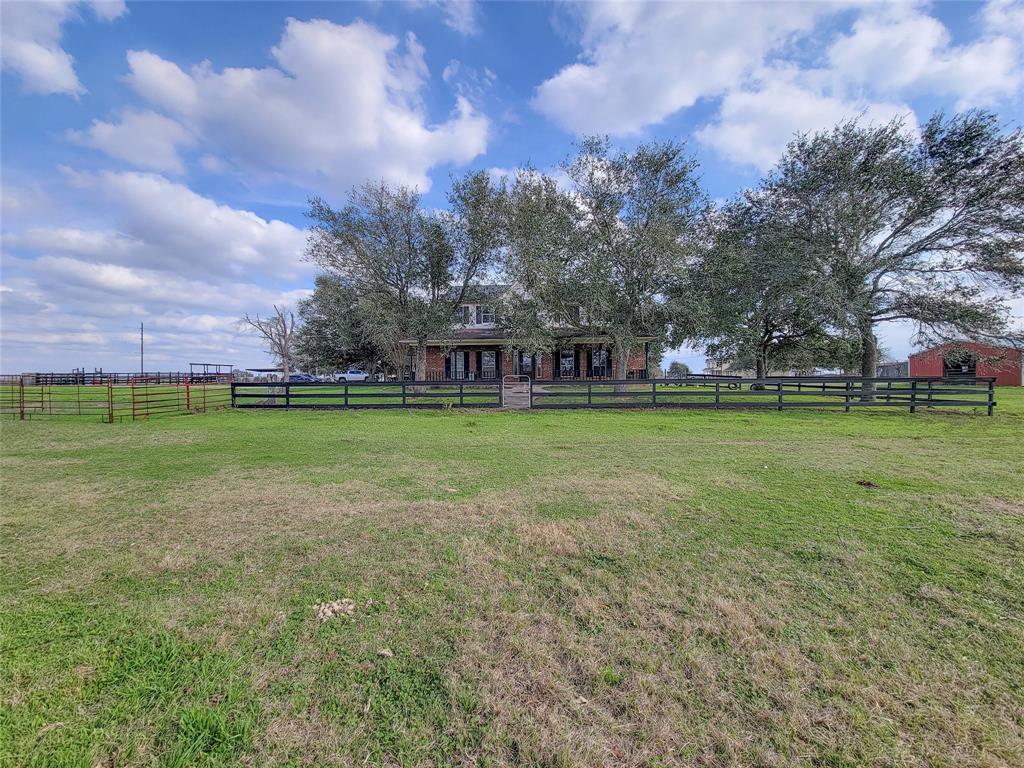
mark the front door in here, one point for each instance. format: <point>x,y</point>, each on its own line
<point>567,364</point>
<point>457,364</point>
<point>488,364</point>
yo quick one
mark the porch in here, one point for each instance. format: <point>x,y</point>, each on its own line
<point>489,362</point>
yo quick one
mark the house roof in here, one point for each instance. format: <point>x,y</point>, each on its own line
<point>498,336</point>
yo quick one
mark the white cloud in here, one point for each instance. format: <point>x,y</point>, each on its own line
<point>775,68</point>
<point>136,246</point>
<point>643,62</point>
<point>754,125</point>
<point>162,82</point>
<point>899,49</point>
<point>344,104</point>
<point>166,226</point>
<point>75,296</point>
<point>30,43</point>
<point>459,15</point>
<point>144,139</point>
<point>891,52</point>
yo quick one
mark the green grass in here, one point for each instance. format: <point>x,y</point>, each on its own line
<point>560,588</point>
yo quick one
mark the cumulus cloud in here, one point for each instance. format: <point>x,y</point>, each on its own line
<point>775,68</point>
<point>143,139</point>
<point>891,53</point>
<point>186,264</point>
<point>900,49</point>
<point>754,125</point>
<point>30,42</point>
<point>164,225</point>
<point>642,62</point>
<point>342,105</point>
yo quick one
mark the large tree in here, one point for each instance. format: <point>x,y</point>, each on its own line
<point>410,268</point>
<point>924,226</point>
<point>336,331</point>
<point>749,296</point>
<point>598,254</point>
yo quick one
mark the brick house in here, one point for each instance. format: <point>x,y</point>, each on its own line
<point>478,349</point>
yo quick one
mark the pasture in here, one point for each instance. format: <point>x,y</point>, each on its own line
<point>581,588</point>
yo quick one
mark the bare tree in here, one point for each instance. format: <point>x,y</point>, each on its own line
<point>278,334</point>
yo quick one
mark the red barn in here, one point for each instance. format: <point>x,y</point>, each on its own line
<point>968,358</point>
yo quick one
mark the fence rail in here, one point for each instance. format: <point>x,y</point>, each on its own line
<point>394,394</point>
<point>776,393</point>
<point>21,397</point>
<point>101,378</point>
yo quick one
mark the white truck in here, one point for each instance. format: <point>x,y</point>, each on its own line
<point>352,374</point>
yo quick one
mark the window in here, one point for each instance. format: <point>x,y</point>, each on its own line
<point>456,364</point>
<point>485,314</point>
<point>599,362</point>
<point>488,365</point>
<point>567,364</point>
<point>525,364</point>
<point>462,315</point>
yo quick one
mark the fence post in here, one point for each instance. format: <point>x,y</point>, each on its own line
<point>846,406</point>
<point>718,393</point>
<point>654,391</point>
<point>21,397</point>
<point>403,394</point>
<point>110,401</point>
<point>779,387</point>
<point>991,396</point>
<point>913,396</point>
<point>345,401</point>
<point>188,396</point>
<point>462,400</point>
<point>287,395</point>
<point>233,395</point>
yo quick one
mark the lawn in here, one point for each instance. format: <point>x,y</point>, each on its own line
<point>580,588</point>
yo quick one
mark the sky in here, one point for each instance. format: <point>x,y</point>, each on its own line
<point>157,156</point>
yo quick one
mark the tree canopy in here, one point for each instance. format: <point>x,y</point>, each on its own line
<point>855,226</point>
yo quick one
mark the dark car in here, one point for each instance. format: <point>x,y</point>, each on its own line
<point>301,378</point>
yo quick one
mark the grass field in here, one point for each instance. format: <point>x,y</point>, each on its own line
<point>547,589</point>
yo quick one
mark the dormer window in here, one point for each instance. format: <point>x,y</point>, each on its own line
<point>462,315</point>
<point>484,314</point>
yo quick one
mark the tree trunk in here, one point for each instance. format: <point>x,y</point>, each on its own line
<point>761,364</point>
<point>421,361</point>
<point>621,365</point>
<point>868,360</point>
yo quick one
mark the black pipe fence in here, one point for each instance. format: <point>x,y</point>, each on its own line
<point>775,393</point>
<point>391,394</point>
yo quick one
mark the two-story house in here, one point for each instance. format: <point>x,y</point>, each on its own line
<point>478,349</point>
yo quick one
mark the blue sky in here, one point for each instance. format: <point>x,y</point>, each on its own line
<point>156,156</point>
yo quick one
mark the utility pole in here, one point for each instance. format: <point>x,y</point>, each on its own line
<point>142,349</point>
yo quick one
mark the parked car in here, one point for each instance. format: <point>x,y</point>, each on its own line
<point>352,374</point>
<point>301,378</point>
